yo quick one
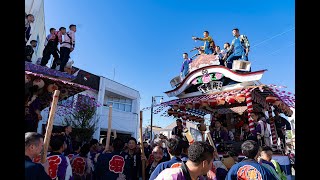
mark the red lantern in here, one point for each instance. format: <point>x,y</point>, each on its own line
<point>182,107</point>
<point>281,106</point>
<point>52,87</point>
<point>212,102</point>
<point>170,112</point>
<point>271,99</point>
<point>27,78</point>
<point>39,82</point>
<point>175,107</point>
<point>220,101</point>
<point>277,103</point>
<point>230,99</point>
<point>189,105</point>
<point>204,103</point>
<point>240,98</point>
<point>196,104</point>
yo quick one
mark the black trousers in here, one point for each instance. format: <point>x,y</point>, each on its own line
<point>64,56</point>
<point>47,52</point>
<point>282,138</point>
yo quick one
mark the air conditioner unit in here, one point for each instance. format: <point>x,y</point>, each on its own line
<point>241,65</point>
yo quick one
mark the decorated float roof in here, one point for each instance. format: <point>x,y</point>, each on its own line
<point>229,80</point>
<point>230,101</point>
<point>66,88</point>
<point>47,71</point>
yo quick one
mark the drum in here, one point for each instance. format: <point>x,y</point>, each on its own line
<point>175,81</point>
<point>241,65</point>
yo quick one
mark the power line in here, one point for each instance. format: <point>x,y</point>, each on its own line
<point>272,53</point>
<point>268,39</point>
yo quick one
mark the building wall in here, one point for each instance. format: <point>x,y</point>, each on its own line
<point>38,31</point>
<point>122,122</point>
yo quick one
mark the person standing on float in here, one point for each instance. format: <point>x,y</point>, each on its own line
<point>240,47</point>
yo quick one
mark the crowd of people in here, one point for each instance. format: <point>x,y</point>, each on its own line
<point>239,49</point>
<point>223,135</point>
<point>59,44</point>
<point>163,159</point>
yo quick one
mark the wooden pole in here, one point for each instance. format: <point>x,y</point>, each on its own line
<point>142,149</point>
<point>202,135</point>
<point>188,135</point>
<point>211,141</point>
<point>109,129</point>
<point>49,126</point>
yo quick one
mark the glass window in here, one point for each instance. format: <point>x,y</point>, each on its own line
<point>121,107</point>
<point>128,108</point>
<point>115,105</point>
<point>122,104</point>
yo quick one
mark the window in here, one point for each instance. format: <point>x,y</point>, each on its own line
<point>128,108</point>
<point>121,107</point>
<point>120,103</point>
<point>115,105</point>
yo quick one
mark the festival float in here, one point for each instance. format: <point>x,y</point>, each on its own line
<point>47,81</point>
<point>210,88</point>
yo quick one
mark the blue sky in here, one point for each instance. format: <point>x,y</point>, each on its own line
<point>143,41</point>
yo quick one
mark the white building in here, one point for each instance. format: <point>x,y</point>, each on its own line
<point>125,111</point>
<point>38,31</point>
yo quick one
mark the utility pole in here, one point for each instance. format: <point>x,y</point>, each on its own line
<point>151,117</point>
<point>152,104</point>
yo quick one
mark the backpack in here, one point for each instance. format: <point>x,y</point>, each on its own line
<point>69,38</point>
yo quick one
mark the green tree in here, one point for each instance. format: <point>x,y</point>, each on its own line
<point>82,118</point>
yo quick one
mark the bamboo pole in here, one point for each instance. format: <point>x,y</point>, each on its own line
<point>47,136</point>
<point>202,135</point>
<point>142,149</point>
<point>107,149</point>
<point>188,135</point>
<point>211,141</point>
